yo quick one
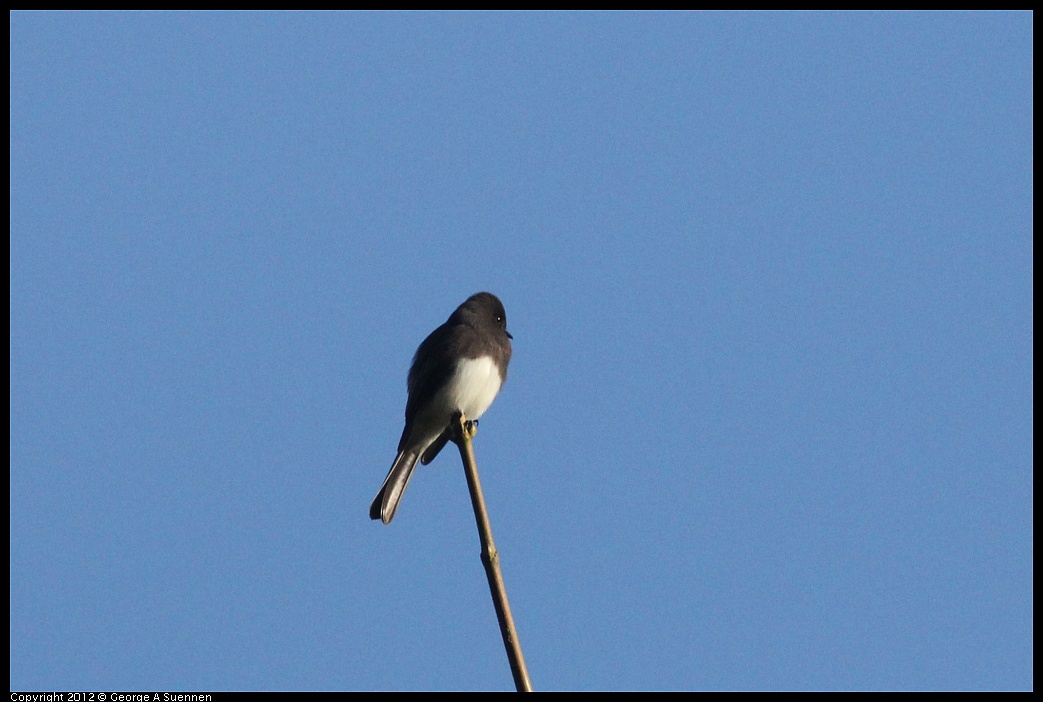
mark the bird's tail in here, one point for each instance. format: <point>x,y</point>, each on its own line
<point>386,501</point>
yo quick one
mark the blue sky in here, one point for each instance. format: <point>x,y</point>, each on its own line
<point>768,424</point>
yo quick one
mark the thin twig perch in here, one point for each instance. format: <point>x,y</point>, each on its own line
<point>463,431</point>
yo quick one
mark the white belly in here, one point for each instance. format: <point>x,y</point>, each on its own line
<point>474,386</point>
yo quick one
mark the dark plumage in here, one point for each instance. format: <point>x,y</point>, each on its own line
<point>459,367</point>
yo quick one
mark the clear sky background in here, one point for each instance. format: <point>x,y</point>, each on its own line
<point>768,424</point>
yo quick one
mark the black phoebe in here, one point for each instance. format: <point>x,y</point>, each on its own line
<point>458,368</point>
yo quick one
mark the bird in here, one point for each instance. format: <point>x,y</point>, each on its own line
<point>459,367</point>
